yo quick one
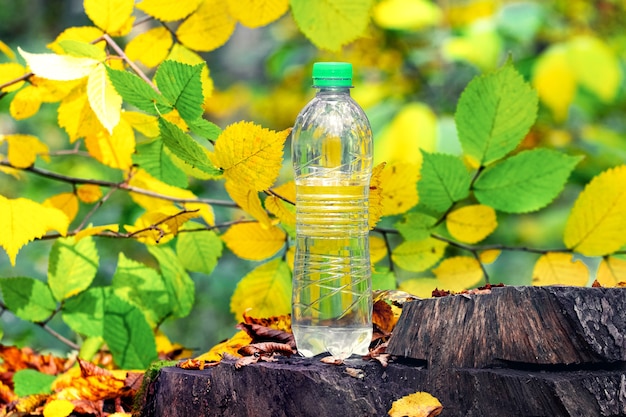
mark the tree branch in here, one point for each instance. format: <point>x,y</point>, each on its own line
<point>120,52</point>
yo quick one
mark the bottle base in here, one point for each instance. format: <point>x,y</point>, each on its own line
<point>340,342</point>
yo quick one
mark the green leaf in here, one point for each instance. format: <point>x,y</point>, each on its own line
<point>180,287</point>
<point>181,85</point>
<point>128,335</point>
<point>29,382</point>
<point>72,266</point>
<point>494,113</point>
<point>418,255</point>
<point>199,251</point>
<point>28,298</point>
<point>90,347</point>
<point>155,161</point>
<point>184,147</point>
<point>444,181</point>
<point>383,279</point>
<point>525,182</point>
<point>82,49</point>
<point>415,226</point>
<point>138,93</point>
<point>329,24</point>
<point>205,129</point>
<point>84,313</point>
<point>143,287</point>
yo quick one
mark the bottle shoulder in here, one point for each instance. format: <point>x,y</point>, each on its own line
<point>330,107</point>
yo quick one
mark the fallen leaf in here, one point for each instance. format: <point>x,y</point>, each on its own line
<point>419,404</point>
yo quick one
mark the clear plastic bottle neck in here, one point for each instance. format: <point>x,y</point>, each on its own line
<point>332,90</point>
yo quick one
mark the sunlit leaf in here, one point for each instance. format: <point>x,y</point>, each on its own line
<point>72,266</point>
<point>4,48</point>
<point>255,13</point>
<point>406,14</point>
<point>76,116</point>
<point>419,404</point>
<point>77,33</point>
<point>281,209</point>
<point>144,181</point>
<point>375,196</point>
<point>459,272</point>
<point>330,24</point>
<point>24,149</point>
<point>29,382</point>
<point>230,346</point>
<point>420,287</point>
<point>52,91</point>
<point>23,220</point>
<point>167,11</point>
<point>82,49</point>
<point>199,251</point>
<point>611,271</point>
<point>479,44</point>
<point>183,54</point>
<point>138,93</point>
<point>596,225</point>
<point>556,268</point>
<point>383,279</point>
<point>89,193</point>
<point>159,225</point>
<point>418,255</point>
<point>471,224</point>
<point>266,290</point>
<point>105,102</point>
<point>151,156</point>
<point>378,249</point>
<point>84,313</point>
<point>66,202</point>
<point>494,113</point>
<point>58,408</point>
<point>248,200</point>
<point>250,154</point>
<point>95,230</point>
<point>399,188</point>
<point>10,71</point>
<point>555,80</point>
<point>112,16</point>
<point>415,226</point>
<point>253,241</point>
<point>150,47</point>
<point>182,86</point>
<point>114,150</point>
<point>178,283</point>
<point>489,256</point>
<point>444,180</point>
<point>145,124</point>
<point>59,67</point>
<point>25,103</point>
<point>28,298</point>
<point>208,28</point>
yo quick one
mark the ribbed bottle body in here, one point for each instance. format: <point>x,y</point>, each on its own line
<point>332,156</point>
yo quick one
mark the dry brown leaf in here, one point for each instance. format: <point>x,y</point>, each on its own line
<point>260,333</point>
<point>355,373</point>
<point>331,360</point>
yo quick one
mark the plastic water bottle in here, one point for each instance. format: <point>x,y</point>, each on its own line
<point>332,158</point>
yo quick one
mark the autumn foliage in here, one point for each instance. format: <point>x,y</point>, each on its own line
<point>141,123</point>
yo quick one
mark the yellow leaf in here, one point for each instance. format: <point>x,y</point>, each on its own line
<point>480,45</point>
<point>52,91</point>
<point>460,14</point>
<point>281,209</point>
<point>406,14</point>
<point>204,210</point>
<point>459,273</point>
<point>89,193</point>
<point>248,200</point>
<point>596,225</point>
<point>611,271</point>
<point>159,226</point>
<point>290,257</point>
<point>489,256</point>
<point>58,408</point>
<point>114,150</point>
<point>181,54</point>
<point>112,16</point>
<point>150,47</point>
<point>399,187</point>
<point>596,66</point>
<point>256,13</point>
<point>76,117</point>
<point>556,268</point>
<point>23,220</point>
<point>253,241</point>
<point>230,346</point>
<point>94,230</point>
<point>143,123</point>
<point>287,191</point>
<point>10,71</point>
<point>59,67</point>
<point>412,129</point>
<point>471,224</point>
<point>421,287</point>
<point>208,28</point>
<point>142,180</point>
<point>66,202</point>
<point>375,198</point>
<point>26,103</point>
<point>378,249</point>
<point>105,102</point>
<point>418,255</point>
<point>85,34</point>
<point>419,404</point>
<point>24,149</point>
<point>555,81</point>
<point>167,10</point>
<point>4,48</point>
<point>266,290</point>
<point>250,154</point>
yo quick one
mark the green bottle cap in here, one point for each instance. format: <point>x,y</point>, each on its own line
<point>332,74</point>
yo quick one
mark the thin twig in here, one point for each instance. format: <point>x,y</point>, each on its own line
<point>270,191</point>
<point>59,336</point>
<point>120,52</point>
<point>472,248</point>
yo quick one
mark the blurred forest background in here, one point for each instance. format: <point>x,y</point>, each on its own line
<point>410,70</point>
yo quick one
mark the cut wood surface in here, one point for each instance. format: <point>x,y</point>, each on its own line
<point>529,351</point>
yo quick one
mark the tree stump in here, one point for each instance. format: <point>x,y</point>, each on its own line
<point>528,351</point>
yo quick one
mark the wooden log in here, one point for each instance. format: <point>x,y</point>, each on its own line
<point>524,325</point>
<point>307,387</point>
